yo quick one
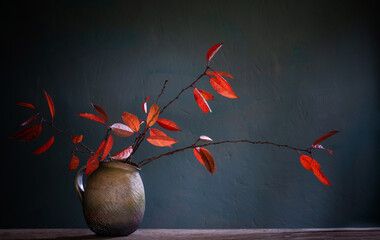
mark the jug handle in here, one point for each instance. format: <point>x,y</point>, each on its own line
<point>79,182</point>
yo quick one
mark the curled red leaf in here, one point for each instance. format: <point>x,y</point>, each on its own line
<point>160,139</point>
<point>44,147</point>
<point>29,121</point>
<point>168,125</point>
<point>205,158</point>
<point>92,117</point>
<point>201,101</point>
<point>324,137</point>
<point>101,112</point>
<point>51,104</point>
<point>77,139</point>
<point>211,52</point>
<point>27,105</point>
<point>123,154</point>
<point>318,146</point>
<point>74,163</point>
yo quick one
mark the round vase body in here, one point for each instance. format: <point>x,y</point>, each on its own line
<point>113,199</point>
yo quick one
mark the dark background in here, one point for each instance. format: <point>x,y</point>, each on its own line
<point>301,68</point>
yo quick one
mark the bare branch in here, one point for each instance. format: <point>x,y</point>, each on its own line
<point>148,160</point>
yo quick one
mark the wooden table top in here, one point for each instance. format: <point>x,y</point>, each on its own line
<point>204,234</point>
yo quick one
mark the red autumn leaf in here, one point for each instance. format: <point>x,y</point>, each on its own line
<point>29,121</point>
<point>92,117</point>
<point>27,105</point>
<point>211,52</point>
<point>205,158</point>
<point>201,101</point>
<point>33,134</point>
<point>77,139</point>
<point>317,172</point>
<point>206,95</point>
<point>51,104</point>
<point>199,157</point>
<point>131,121</point>
<point>222,86</point>
<point>99,150</point>
<point>44,147</point>
<point>318,146</point>
<point>160,139</point>
<point>92,165</point>
<point>168,125</point>
<point>204,138</point>
<point>107,148</point>
<point>324,137</point>
<point>121,130</point>
<point>123,154</point>
<point>23,132</point>
<point>74,163</point>
<point>101,111</point>
<point>154,111</point>
<point>307,162</point>
<point>223,74</point>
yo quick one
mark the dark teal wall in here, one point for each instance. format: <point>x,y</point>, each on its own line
<point>301,68</point>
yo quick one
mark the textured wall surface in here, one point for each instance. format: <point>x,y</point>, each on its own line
<point>301,68</point>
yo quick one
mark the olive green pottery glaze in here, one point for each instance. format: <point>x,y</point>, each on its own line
<point>113,199</point>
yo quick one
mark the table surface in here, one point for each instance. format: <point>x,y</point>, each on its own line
<point>206,234</point>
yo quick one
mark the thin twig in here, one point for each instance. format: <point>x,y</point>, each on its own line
<point>162,90</point>
<point>148,160</point>
<point>179,94</point>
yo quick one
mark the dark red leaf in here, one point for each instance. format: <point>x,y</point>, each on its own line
<point>205,158</point>
<point>168,125</point>
<point>44,147</point>
<point>201,101</point>
<point>101,111</point>
<point>324,137</point>
<point>23,132</point>
<point>51,104</point>
<point>77,139</point>
<point>107,148</point>
<point>29,121</point>
<point>92,117</point>
<point>34,134</point>
<point>123,154</point>
<point>131,121</point>
<point>24,104</point>
<point>74,163</point>
<point>212,51</point>
<point>222,86</point>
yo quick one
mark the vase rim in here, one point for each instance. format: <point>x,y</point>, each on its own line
<point>123,165</point>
